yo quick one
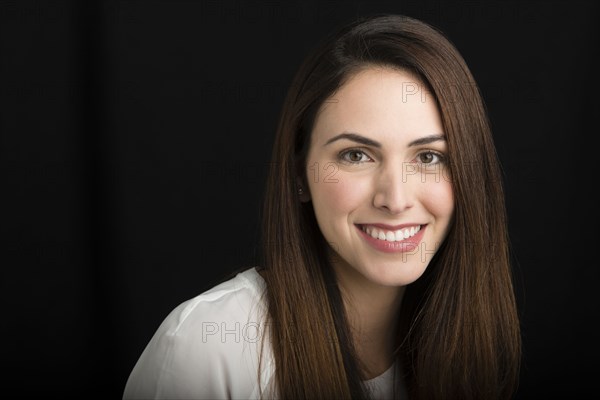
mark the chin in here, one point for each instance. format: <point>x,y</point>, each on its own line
<point>400,274</point>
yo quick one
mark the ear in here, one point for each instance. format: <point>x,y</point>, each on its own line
<point>302,190</point>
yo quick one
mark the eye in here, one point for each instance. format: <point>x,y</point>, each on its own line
<point>430,157</point>
<point>353,156</point>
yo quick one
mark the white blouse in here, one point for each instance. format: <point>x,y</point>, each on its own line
<point>208,348</point>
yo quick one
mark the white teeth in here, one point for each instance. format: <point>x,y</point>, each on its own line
<point>399,235</point>
<point>391,236</point>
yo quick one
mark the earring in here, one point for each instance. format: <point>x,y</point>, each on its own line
<point>300,190</point>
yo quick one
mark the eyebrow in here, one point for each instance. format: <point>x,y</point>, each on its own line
<point>370,142</point>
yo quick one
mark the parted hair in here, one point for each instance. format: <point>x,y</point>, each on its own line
<point>459,335</point>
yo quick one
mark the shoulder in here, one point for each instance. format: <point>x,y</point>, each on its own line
<point>238,299</point>
<point>208,346</point>
<point>225,316</point>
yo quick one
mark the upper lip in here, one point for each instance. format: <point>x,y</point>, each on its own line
<point>392,227</point>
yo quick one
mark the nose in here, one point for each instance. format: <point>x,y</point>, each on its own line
<point>393,192</point>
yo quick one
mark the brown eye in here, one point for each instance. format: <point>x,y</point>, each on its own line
<point>354,157</point>
<point>430,157</point>
<point>426,158</point>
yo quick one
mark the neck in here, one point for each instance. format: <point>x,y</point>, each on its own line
<point>372,311</point>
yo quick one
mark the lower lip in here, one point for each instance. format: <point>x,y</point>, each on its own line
<point>403,246</point>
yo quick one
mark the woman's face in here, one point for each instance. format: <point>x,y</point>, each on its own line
<point>378,179</point>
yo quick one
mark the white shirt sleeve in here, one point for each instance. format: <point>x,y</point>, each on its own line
<point>207,348</point>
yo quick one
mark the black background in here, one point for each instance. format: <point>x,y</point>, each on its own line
<point>135,138</point>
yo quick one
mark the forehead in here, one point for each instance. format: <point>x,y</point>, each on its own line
<point>379,102</point>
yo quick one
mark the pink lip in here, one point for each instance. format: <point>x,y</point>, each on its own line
<point>403,246</point>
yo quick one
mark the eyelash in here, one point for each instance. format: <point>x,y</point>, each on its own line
<point>341,156</point>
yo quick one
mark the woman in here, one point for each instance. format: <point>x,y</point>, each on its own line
<point>385,271</point>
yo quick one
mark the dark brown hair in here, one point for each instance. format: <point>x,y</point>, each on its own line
<point>459,329</point>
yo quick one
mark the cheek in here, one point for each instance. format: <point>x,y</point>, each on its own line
<point>438,198</point>
<point>341,197</point>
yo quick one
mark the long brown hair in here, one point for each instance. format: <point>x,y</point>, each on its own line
<point>459,335</point>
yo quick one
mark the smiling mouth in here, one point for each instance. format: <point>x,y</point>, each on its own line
<point>390,236</point>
